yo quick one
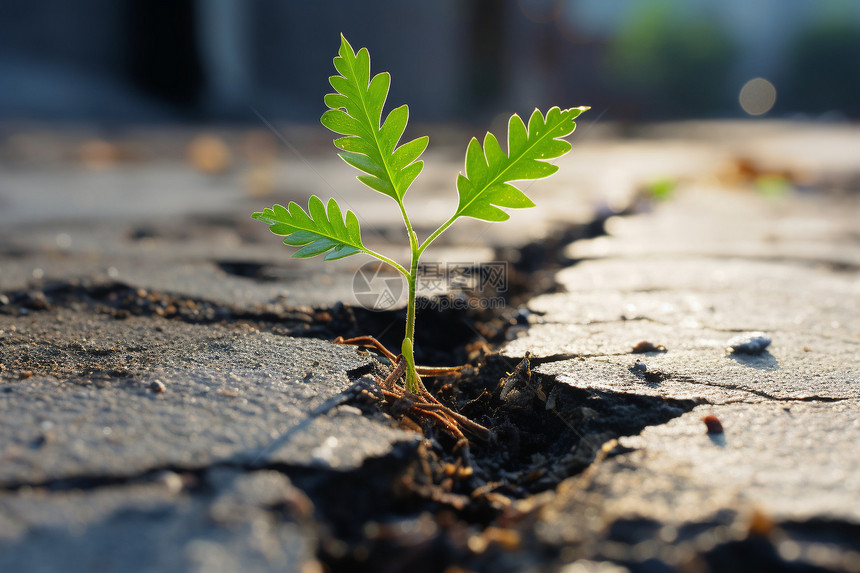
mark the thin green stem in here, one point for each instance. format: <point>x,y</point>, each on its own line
<point>388,261</point>
<point>413,382</point>
<point>413,238</point>
<point>438,232</point>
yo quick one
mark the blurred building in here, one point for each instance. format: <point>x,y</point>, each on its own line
<point>203,60</point>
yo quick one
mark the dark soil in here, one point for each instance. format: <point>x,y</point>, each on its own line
<point>434,500</point>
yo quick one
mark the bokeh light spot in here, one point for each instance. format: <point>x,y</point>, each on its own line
<point>757,96</point>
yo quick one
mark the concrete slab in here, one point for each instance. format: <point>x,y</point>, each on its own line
<point>796,366</point>
<point>682,496</point>
<point>101,468</point>
<point>827,304</point>
<point>219,521</point>
<point>796,226</point>
<point>77,398</point>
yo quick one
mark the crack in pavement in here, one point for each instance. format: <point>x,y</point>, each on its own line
<point>762,394</point>
<point>657,376</point>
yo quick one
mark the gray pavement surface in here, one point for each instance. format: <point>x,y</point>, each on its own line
<point>103,471</point>
<point>689,277</point>
<point>160,526</point>
<point>226,395</point>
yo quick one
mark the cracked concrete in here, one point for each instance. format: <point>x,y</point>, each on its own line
<point>781,479</point>
<point>227,395</point>
<point>688,277</point>
<point>102,470</point>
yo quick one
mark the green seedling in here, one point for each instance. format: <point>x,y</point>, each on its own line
<point>371,145</point>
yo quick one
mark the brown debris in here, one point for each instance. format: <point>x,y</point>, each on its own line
<point>209,154</point>
<point>644,346</point>
<point>761,524</point>
<point>508,539</point>
<point>713,424</point>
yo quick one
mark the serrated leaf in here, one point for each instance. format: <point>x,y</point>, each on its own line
<point>322,229</point>
<point>369,143</point>
<point>486,184</point>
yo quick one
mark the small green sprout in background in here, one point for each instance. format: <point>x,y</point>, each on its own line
<point>773,185</point>
<point>661,189</point>
<point>371,145</point>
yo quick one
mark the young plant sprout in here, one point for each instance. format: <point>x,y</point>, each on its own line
<point>371,145</point>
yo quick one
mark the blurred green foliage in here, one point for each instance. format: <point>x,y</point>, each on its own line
<point>672,64</point>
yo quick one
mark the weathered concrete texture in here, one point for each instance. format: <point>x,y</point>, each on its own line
<point>240,266</point>
<point>632,275</point>
<point>800,228</point>
<point>100,471</point>
<point>161,225</point>
<point>730,295</point>
<point>693,305</point>
<point>88,409</point>
<point>221,520</point>
<point>200,278</point>
<point>689,277</point>
<point>796,366</point>
<point>681,492</point>
<point>757,459</point>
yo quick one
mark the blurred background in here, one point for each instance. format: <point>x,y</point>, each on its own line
<point>118,110</point>
<point>137,136</point>
<point>191,61</point>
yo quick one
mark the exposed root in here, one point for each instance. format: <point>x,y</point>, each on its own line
<point>421,407</point>
<point>368,342</point>
<point>424,405</point>
<point>371,342</point>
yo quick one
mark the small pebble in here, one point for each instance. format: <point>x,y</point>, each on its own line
<point>4,300</point>
<point>171,481</point>
<point>36,301</point>
<point>157,386</point>
<point>713,424</point>
<point>349,410</point>
<point>748,343</point>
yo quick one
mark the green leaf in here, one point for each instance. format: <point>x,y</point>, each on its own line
<point>319,230</point>
<point>370,144</point>
<point>486,185</point>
